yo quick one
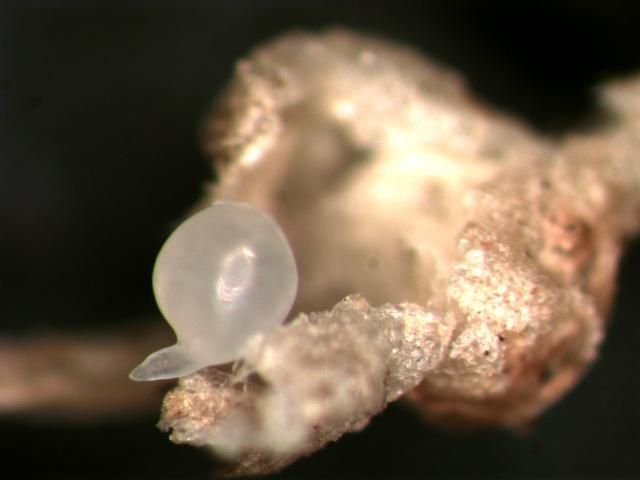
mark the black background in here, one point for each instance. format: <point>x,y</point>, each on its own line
<point>100,103</point>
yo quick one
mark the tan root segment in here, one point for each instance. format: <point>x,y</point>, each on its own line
<point>80,377</point>
<point>483,256</point>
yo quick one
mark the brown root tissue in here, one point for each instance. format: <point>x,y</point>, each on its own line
<point>449,254</point>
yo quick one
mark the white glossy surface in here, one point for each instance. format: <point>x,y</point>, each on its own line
<point>224,275</point>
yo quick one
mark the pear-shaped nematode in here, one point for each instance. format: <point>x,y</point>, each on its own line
<point>224,275</point>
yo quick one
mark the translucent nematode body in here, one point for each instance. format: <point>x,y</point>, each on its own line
<point>224,275</point>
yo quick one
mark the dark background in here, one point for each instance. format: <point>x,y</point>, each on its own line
<point>100,103</point>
